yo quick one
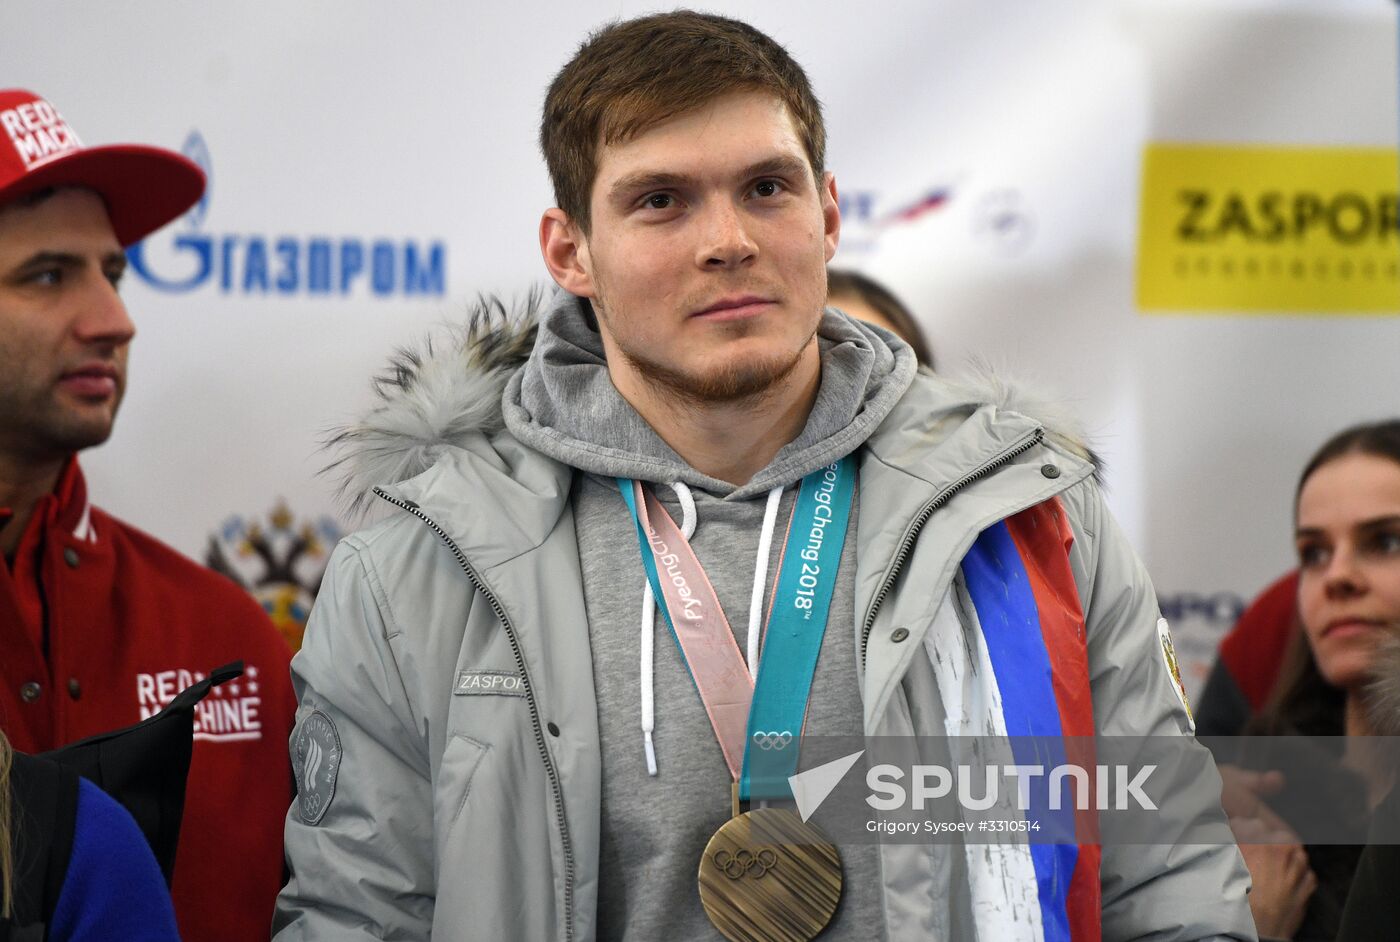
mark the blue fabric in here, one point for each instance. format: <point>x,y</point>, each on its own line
<point>1005,602</point>
<point>113,888</point>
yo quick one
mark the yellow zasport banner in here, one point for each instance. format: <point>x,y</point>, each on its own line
<point>1260,229</point>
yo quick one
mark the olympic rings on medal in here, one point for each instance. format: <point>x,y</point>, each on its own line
<point>772,740</point>
<point>736,865</point>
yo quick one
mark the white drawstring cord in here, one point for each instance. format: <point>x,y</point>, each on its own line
<point>688,523</point>
<point>760,576</point>
<point>648,705</point>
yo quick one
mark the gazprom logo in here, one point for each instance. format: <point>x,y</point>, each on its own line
<point>283,265</point>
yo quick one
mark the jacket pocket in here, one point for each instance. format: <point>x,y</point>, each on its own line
<point>460,760</point>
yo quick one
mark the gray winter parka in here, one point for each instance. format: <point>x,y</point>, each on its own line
<point>477,817</point>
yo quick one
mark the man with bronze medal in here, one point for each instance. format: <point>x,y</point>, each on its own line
<point>685,429</point>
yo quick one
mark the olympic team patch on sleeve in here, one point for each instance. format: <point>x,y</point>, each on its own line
<point>316,755</point>
<point>1164,636</point>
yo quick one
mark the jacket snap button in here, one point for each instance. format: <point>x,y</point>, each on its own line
<point>30,692</point>
<point>70,556</point>
<point>899,634</point>
<point>1049,470</point>
<point>75,689</point>
<point>553,730</point>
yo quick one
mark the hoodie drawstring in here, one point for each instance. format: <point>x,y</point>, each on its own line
<point>688,523</point>
<point>760,576</point>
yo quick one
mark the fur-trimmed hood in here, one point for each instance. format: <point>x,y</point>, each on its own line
<point>433,397</point>
<point>448,391</point>
<point>1383,693</point>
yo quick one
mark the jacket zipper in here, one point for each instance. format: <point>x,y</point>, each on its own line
<point>495,604</point>
<point>938,500</point>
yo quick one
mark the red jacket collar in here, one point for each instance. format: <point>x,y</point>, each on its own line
<point>72,513</point>
<point>65,509</point>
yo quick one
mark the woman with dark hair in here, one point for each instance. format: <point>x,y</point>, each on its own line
<point>1347,537</point>
<point>74,867</point>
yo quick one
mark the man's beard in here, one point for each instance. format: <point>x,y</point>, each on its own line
<point>734,381</point>
<point>41,431</point>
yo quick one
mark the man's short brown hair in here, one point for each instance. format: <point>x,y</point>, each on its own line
<point>634,74</point>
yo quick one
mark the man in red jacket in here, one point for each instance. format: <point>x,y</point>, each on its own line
<point>100,624</point>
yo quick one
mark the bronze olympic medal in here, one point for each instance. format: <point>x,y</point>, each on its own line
<point>766,876</point>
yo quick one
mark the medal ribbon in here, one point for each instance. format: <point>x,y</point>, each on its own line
<point>758,726</point>
<point>707,644</point>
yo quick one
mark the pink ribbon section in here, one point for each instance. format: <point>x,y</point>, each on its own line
<point>711,653</point>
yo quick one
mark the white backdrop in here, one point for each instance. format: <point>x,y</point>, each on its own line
<point>990,157</point>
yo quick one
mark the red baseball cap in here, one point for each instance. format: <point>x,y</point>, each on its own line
<point>144,187</point>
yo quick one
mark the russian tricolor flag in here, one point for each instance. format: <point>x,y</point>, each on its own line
<point>1019,579</point>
